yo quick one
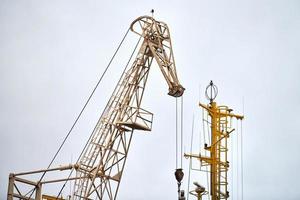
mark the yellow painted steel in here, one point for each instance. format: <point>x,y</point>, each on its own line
<point>220,131</point>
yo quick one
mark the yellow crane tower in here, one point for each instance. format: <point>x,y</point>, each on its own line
<point>100,167</point>
<point>220,118</point>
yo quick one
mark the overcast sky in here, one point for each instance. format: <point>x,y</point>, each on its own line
<point>53,52</point>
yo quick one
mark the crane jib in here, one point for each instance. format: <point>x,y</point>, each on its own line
<point>104,158</point>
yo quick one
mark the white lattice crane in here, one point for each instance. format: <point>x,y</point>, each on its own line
<point>99,169</point>
<point>102,164</point>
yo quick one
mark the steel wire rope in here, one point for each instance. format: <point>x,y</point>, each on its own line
<point>100,117</point>
<point>176,131</point>
<point>179,146</point>
<point>80,113</point>
<point>179,152</point>
<point>181,132</point>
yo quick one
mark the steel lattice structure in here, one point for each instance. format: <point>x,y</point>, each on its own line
<point>219,118</point>
<point>100,167</point>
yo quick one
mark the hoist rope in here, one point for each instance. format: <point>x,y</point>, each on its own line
<point>86,144</point>
<point>176,131</point>
<point>179,138</point>
<point>179,170</point>
<point>181,134</point>
<point>190,164</point>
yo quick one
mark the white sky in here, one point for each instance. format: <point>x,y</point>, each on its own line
<point>53,52</point>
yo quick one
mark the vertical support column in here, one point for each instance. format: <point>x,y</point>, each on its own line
<point>213,152</point>
<point>10,190</point>
<point>38,192</point>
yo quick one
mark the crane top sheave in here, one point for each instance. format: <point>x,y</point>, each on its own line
<point>157,37</point>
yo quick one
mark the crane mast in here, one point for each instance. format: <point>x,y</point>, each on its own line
<point>101,166</point>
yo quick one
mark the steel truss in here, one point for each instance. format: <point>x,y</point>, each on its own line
<point>100,167</point>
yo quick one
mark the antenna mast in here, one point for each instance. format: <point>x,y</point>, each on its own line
<point>219,118</point>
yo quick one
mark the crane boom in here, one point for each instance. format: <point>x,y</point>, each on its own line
<point>101,166</point>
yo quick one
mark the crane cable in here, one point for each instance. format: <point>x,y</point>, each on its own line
<point>176,132</point>
<point>179,172</point>
<point>63,186</point>
<point>179,141</point>
<point>181,132</point>
<point>83,108</point>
